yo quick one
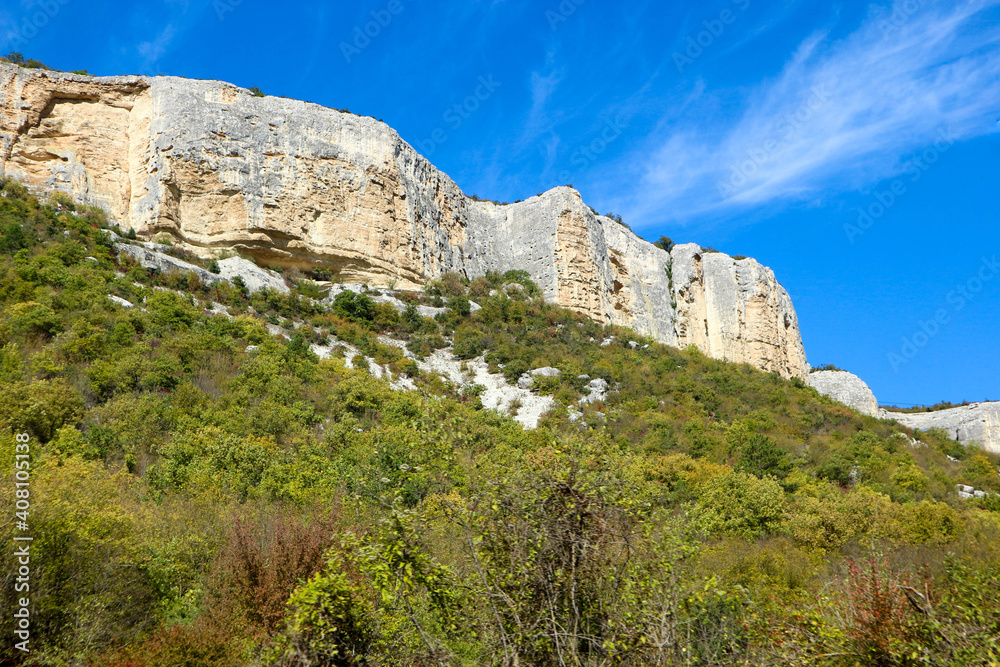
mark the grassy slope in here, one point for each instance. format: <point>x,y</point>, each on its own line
<point>184,488</point>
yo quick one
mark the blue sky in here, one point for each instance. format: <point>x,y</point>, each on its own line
<point>852,147</point>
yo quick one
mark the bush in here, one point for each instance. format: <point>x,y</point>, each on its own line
<point>386,317</point>
<point>200,644</point>
<point>761,457</point>
<point>741,504</point>
<point>32,319</point>
<point>406,367</point>
<point>460,305</point>
<point>262,563</point>
<point>355,307</point>
<point>879,617</point>
<point>664,243</point>
<point>40,407</point>
<point>469,342</point>
<point>333,618</point>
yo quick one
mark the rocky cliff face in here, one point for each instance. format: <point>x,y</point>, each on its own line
<point>298,185</point>
<point>977,423</point>
<point>847,388</point>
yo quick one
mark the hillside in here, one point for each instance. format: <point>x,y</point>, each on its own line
<point>296,185</point>
<point>226,474</point>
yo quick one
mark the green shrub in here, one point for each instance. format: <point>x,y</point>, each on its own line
<point>355,307</point>
<point>460,305</point>
<point>41,407</point>
<point>741,504</point>
<point>32,319</point>
<point>469,342</point>
<point>761,457</point>
<point>333,619</point>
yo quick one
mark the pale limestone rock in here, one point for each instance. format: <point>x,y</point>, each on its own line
<point>527,381</point>
<point>736,310</point>
<point>254,277</point>
<point>124,303</point>
<point>430,311</point>
<point>149,259</point>
<point>847,388</point>
<point>975,423</point>
<point>597,391</point>
<point>294,184</point>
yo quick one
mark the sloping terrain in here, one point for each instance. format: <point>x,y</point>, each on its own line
<point>206,489</point>
<point>300,186</point>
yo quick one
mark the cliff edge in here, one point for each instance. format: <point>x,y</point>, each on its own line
<point>295,184</point>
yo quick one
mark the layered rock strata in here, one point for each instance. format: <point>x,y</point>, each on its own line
<point>295,184</point>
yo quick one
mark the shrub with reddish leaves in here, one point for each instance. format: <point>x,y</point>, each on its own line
<point>260,566</point>
<point>197,645</point>
<point>879,619</point>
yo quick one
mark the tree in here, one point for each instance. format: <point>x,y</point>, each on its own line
<point>665,243</point>
<point>760,456</point>
<point>741,504</point>
<point>355,307</point>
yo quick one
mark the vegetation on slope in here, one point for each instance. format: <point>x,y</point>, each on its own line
<point>937,407</point>
<point>204,493</point>
<point>18,58</point>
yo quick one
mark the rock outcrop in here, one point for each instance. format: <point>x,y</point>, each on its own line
<point>975,423</point>
<point>254,278</point>
<point>847,388</point>
<point>295,184</point>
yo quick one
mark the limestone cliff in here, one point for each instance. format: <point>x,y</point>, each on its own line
<point>296,184</point>
<point>975,423</point>
<point>847,388</point>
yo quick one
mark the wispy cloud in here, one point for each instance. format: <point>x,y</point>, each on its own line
<point>150,52</point>
<point>539,121</point>
<point>840,115</point>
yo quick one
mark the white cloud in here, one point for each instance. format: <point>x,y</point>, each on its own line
<point>153,50</point>
<point>539,121</point>
<point>840,115</point>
